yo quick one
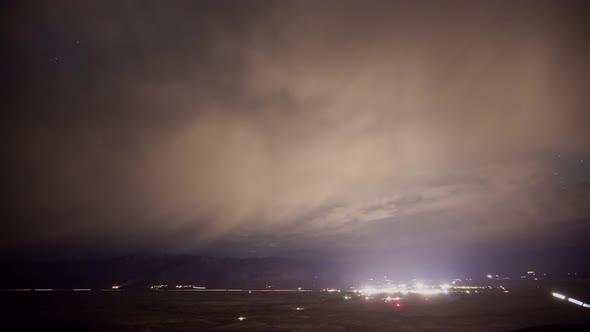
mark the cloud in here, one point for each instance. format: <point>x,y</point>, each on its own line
<point>292,119</point>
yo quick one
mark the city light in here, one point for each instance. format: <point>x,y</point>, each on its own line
<point>426,288</point>
<point>427,291</point>
<point>161,286</point>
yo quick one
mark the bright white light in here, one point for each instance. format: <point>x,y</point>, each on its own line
<point>299,308</point>
<point>427,291</point>
<point>389,298</point>
<point>241,318</point>
<point>586,305</point>
<point>445,286</point>
<point>366,297</point>
<point>574,301</point>
<point>418,285</point>
<point>559,296</point>
<point>390,290</point>
<point>369,291</point>
<point>490,276</point>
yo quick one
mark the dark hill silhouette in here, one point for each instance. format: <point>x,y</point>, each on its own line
<point>139,272</point>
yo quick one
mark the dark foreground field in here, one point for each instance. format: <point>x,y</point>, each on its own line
<point>206,311</point>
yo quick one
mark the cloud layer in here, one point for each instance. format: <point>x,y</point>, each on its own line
<point>271,127</point>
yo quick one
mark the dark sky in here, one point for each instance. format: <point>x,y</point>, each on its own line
<point>335,128</point>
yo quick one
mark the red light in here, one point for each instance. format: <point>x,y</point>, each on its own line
<point>398,305</point>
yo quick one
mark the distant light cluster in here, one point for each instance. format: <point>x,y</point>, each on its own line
<point>161,286</point>
<point>490,283</point>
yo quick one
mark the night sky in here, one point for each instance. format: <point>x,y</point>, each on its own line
<point>398,132</point>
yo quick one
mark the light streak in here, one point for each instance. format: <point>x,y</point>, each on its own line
<point>559,296</point>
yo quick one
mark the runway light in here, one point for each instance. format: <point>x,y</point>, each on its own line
<point>574,301</point>
<point>559,296</point>
<point>241,318</point>
<point>398,305</point>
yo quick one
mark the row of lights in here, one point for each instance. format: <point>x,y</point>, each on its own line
<point>571,300</point>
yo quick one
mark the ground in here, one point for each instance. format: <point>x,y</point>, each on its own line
<point>208,311</point>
